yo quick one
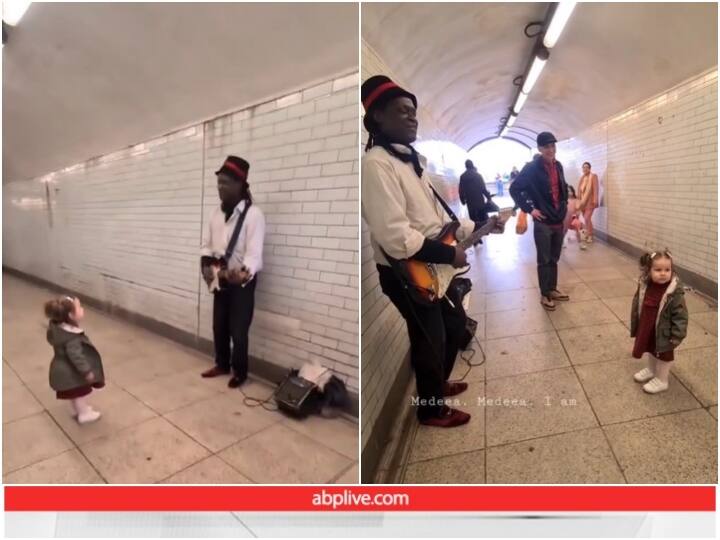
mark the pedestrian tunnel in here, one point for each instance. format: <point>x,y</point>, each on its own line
<point>630,88</point>
<point>116,117</point>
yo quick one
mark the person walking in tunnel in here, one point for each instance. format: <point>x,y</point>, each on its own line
<point>588,190</point>
<point>231,258</point>
<point>540,190</point>
<point>403,214</point>
<point>474,194</point>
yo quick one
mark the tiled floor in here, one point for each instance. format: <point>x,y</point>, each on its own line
<point>161,421</point>
<point>578,415</point>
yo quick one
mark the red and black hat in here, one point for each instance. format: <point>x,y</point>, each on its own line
<point>376,92</point>
<point>235,167</point>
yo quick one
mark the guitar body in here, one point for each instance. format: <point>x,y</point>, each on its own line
<point>428,282</point>
<point>220,272</point>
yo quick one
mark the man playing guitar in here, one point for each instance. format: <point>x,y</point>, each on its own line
<point>404,216</point>
<point>231,258</point>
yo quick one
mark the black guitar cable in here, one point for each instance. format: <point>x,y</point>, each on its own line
<point>252,402</point>
<point>471,354</point>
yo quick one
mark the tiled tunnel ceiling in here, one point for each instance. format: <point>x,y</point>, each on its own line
<point>81,80</point>
<point>461,59</point>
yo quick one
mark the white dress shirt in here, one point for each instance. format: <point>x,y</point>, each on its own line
<point>400,208</point>
<point>249,247</point>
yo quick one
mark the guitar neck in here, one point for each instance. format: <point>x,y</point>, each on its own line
<point>477,235</point>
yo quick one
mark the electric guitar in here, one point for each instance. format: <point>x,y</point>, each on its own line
<point>426,282</point>
<point>220,271</point>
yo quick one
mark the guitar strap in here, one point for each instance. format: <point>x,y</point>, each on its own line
<point>236,232</point>
<point>445,205</point>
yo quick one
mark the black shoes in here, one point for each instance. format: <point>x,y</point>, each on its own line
<point>235,381</point>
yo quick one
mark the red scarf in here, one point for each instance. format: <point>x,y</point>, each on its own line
<point>551,169</point>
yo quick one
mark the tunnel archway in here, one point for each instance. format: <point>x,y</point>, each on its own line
<point>443,157</point>
<point>499,155</point>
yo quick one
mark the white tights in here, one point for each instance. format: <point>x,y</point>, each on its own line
<point>660,368</point>
<point>80,405</point>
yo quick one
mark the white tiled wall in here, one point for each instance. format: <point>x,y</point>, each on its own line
<point>126,227</point>
<point>657,163</point>
<point>384,337</point>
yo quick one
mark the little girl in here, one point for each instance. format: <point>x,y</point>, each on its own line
<point>659,319</point>
<point>76,367</point>
<point>572,217</point>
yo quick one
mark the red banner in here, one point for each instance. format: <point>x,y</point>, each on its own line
<point>362,498</point>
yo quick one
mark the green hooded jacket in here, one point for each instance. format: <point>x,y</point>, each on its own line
<point>74,357</point>
<point>672,320</point>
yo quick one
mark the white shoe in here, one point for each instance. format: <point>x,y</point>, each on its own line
<point>644,375</point>
<point>583,245</point>
<point>88,416</point>
<point>655,386</point>
<point>589,239</point>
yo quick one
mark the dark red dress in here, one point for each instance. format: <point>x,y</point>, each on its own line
<point>78,392</point>
<point>645,338</point>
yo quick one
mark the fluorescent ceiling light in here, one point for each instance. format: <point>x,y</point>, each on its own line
<point>511,120</point>
<point>560,18</point>
<point>519,102</point>
<point>535,70</point>
<point>13,10</point>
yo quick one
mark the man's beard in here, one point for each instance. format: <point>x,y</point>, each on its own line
<point>227,206</point>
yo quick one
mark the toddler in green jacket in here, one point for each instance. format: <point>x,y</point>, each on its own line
<point>658,320</point>
<point>76,367</point>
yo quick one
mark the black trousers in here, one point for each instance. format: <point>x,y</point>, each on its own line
<point>435,333</point>
<point>233,308</point>
<point>548,243</point>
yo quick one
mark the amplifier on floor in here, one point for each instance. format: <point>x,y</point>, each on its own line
<point>297,396</point>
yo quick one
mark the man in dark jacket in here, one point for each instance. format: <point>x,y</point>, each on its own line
<point>540,190</point>
<point>473,192</point>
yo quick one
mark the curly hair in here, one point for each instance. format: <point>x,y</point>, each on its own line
<point>59,310</point>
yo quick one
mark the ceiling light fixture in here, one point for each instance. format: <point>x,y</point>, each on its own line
<point>519,102</point>
<point>536,68</point>
<point>557,24</point>
<point>546,36</point>
<point>13,10</point>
